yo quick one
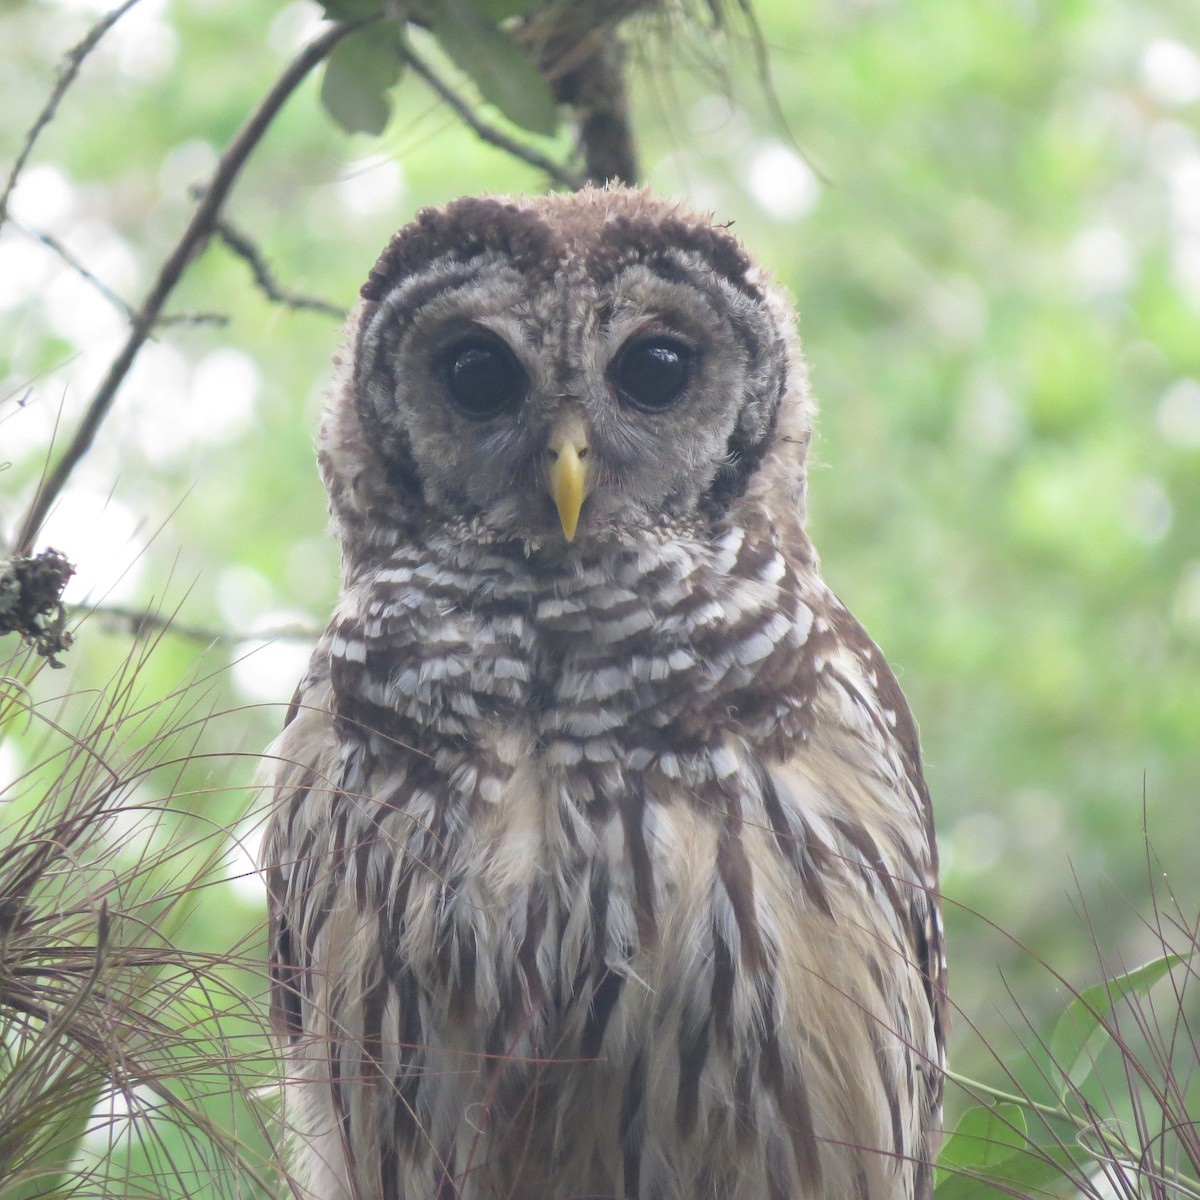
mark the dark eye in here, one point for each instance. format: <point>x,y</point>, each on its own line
<point>653,373</point>
<point>484,377</point>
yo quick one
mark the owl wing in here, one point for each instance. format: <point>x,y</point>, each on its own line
<point>302,762</point>
<point>916,847</point>
<point>313,923</point>
<point>850,812</point>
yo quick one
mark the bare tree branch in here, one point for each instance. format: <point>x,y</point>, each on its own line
<point>66,77</point>
<point>192,318</point>
<point>581,52</point>
<point>141,623</point>
<point>596,89</point>
<point>57,248</point>
<point>193,240</point>
<point>488,133</point>
<point>241,245</point>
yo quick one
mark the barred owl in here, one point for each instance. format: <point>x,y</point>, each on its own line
<point>600,861</point>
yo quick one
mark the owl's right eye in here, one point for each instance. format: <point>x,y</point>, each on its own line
<point>484,377</point>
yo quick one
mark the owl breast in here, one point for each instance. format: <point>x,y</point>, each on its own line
<point>560,778</point>
<point>548,727</point>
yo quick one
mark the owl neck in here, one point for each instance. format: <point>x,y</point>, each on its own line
<point>439,643</point>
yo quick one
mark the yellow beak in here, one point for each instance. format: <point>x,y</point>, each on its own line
<point>569,472</point>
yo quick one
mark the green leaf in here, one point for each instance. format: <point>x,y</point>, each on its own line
<point>501,70</point>
<point>1079,1035</point>
<point>1030,1171</point>
<point>358,75</point>
<point>984,1137</point>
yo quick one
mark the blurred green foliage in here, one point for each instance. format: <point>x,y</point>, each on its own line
<point>989,214</point>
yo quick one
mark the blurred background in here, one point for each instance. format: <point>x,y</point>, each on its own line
<point>989,216</point>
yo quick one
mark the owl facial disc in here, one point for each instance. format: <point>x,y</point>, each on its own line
<point>569,471</point>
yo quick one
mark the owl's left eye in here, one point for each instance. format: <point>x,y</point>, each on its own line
<point>484,377</point>
<point>653,373</point>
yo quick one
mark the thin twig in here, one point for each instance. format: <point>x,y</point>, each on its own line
<point>66,77</point>
<point>140,623</point>
<point>194,238</point>
<point>490,134</point>
<point>241,245</point>
<point>59,250</point>
<point>192,318</point>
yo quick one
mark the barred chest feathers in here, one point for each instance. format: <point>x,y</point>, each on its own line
<point>573,794</point>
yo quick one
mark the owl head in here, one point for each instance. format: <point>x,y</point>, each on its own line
<point>567,372</point>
